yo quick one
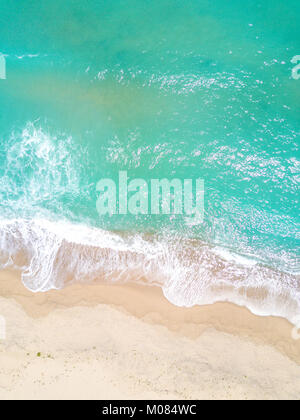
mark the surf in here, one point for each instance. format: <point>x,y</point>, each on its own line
<point>53,255</point>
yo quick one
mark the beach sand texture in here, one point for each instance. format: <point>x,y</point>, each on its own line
<point>129,342</point>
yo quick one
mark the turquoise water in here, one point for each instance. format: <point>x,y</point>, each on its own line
<point>194,89</point>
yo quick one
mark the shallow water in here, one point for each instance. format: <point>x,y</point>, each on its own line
<point>166,89</point>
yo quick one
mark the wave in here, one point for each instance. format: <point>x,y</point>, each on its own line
<point>53,255</point>
<point>43,179</point>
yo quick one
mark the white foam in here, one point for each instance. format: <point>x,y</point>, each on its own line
<point>230,256</point>
<point>52,255</point>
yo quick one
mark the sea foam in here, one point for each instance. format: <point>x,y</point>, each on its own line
<point>52,255</point>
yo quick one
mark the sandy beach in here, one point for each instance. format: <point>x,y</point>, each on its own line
<point>129,342</point>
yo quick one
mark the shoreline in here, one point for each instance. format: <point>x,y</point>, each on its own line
<point>149,304</point>
<point>43,249</point>
<point>92,318</point>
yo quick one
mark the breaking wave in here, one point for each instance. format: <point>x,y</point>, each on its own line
<point>52,255</point>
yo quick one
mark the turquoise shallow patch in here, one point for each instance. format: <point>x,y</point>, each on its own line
<point>193,89</point>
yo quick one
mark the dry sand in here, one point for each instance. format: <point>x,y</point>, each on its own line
<point>129,342</point>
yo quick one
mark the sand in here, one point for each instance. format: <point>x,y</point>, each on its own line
<point>128,342</point>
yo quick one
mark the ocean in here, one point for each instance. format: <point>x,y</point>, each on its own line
<point>168,89</point>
